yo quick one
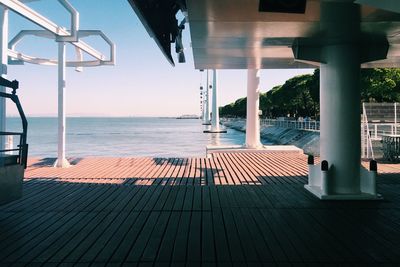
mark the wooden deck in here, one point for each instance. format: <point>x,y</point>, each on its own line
<point>232,209</point>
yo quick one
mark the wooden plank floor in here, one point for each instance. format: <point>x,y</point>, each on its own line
<point>231,209</point>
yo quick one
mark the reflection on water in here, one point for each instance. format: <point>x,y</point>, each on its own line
<point>215,139</point>
<point>124,137</point>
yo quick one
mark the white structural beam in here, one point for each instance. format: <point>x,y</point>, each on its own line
<point>215,128</point>
<point>340,175</point>
<point>252,115</point>
<point>60,35</point>
<point>203,110</point>
<point>3,69</point>
<point>79,44</point>
<point>61,159</point>
<point>209,97</point>
<point>30,14</point>
<point>206,100</point>
<point>215,113</point>
<point>340,98</point>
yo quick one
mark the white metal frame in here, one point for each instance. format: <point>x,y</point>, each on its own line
<point>16,57</point>
<point>30,14</point>
<point>52,31</point>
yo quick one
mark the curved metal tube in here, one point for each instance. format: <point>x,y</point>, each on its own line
<point>20,58</point>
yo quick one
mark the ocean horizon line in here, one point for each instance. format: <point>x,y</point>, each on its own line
<point>95,116</point>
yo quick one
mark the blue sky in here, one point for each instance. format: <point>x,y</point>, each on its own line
<point>142,83</point>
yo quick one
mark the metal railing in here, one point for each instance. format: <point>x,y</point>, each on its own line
<point>308,125</point>
<point>22,148</point>
<point>377,130</point>
<point>378,121</point>
<point>20,151</point>
<point>367,150</point>
<point>370,131</point>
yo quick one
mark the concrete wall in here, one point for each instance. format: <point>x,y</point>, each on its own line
<point>306,140</point>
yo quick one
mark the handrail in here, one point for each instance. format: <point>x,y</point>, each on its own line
<point>9,133</point>
<point>9,150</point>
<point>308,125</point>
<point>23,146</point>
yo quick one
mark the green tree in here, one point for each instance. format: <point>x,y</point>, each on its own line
<point>380,85</point>
<point>299,96</point>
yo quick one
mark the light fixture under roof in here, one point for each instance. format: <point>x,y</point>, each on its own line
<point>283,6</point>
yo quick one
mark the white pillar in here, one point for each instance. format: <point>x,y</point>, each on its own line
<point>3,69</point>
<point>340,141</point>
<point>203,111</point>
<point>215,111</point>
<point>395,118</point>
<point>207,102</point>
<point>252,117</point>
<point>61,159</point>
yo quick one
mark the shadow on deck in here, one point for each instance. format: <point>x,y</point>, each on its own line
<point>141,214</point>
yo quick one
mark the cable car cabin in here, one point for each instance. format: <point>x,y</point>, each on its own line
<point>12,160</point>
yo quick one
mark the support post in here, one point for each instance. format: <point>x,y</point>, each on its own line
<point>341,56</point>
<point>215,112</point>
<point>203,111</point>
<point>252,107</point>
<point>204,106</point>
<point>395,118</point>
<point>340,96</point>
<point>3,69</point>
<point>206,100</point>
<point>61,159</point>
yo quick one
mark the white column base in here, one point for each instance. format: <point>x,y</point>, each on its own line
<point>258,146</point>
<point>318,185</point>
<point>215,130</point>
<point>61,163</point>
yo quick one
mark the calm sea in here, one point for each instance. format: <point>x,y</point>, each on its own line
<point>123,137</point>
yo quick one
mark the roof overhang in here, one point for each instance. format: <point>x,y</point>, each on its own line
<point>234,34</point>
<point>159,19</point>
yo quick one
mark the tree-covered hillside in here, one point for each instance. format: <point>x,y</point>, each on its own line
<point>299,96</point>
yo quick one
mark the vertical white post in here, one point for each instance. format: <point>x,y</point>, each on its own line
<point>207,102</point>
<point>203,112</point>
<point>61,159</point>
<point>340,96</point>
<point>9,143</point>
<point>252,116</point>
<point>204,105</point>
<point>364,135</point>
<point>395,118</point>
<point>3,69</point>
<point>215,111</point>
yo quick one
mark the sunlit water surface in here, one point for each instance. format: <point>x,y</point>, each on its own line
<point>124,137</point>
